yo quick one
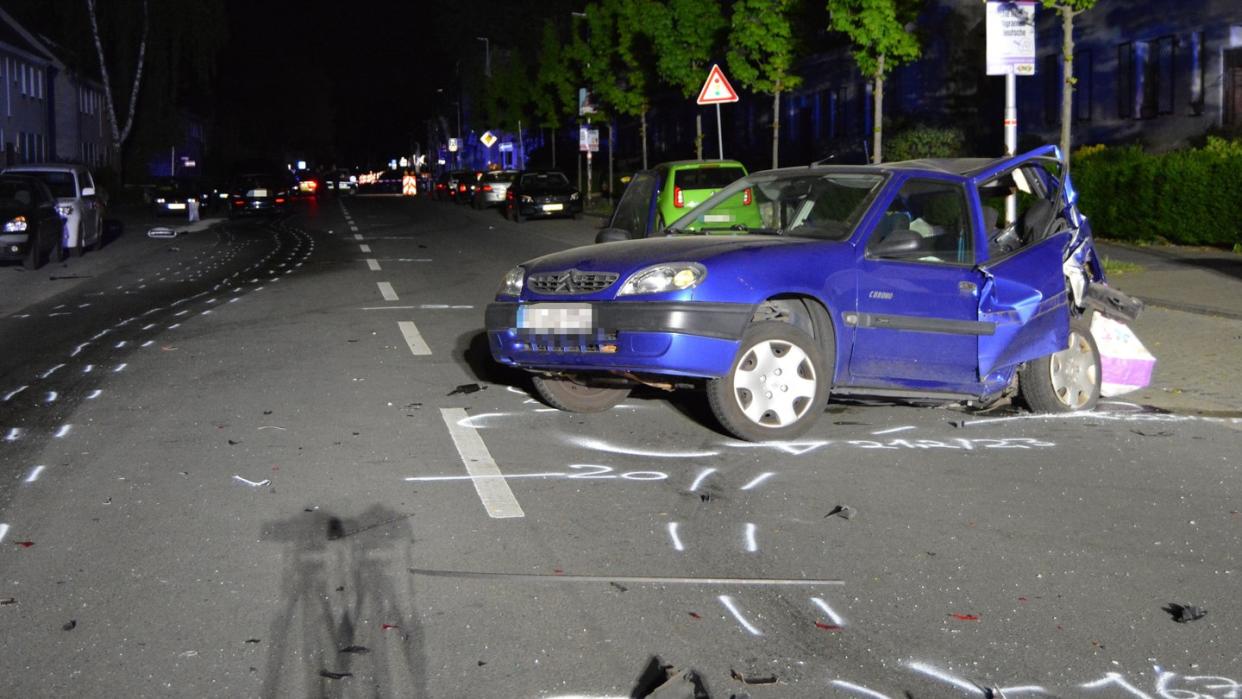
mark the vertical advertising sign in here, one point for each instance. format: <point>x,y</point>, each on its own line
<point>1011,38</point>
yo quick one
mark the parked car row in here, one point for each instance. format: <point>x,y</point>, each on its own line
<point>49,211</point>
<point>519,194</point>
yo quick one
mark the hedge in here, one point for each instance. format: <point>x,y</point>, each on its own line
<point>1186,197</point>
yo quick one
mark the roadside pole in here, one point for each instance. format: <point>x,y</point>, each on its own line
<point>1011,52</point>
<point>717,91</point>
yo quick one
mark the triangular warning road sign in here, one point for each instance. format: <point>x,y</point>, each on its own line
<point>717,89</point>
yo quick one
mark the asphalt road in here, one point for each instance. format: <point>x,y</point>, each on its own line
<point>238,463</point>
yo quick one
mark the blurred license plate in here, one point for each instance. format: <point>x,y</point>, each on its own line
<point>571,318</point>
<point>176,206</point>
<point>553,207</point>
<point>257,193</point>
<point>717,218</point>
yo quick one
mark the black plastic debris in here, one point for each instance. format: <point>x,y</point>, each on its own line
<point>1184,613</point>
<point>686,684</point>
<point>335,675</point>
<point>465,389</point>
<point>842,511</point>
<point>253,640</point>
<point>1161,433</point>
<point>619,586</point>
<point>233,443</point>
<point>360,650</point>
<point>13,600</point>
<point>752,679</point>
<point>336,528</point>
<point>70,625</point>
<point>267,412</point>
<point>482,663</point>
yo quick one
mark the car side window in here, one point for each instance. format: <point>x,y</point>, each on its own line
<point>631,214</point>
<point>927,222</point>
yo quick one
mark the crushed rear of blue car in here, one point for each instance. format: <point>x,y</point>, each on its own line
<point>957,280</point>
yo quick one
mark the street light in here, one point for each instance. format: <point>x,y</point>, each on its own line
<point>487,53</point>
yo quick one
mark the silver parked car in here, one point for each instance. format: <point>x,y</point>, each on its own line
<point>78,202</point>
<point>492,188</point>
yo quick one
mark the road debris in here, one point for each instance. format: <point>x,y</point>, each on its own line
<point>335,675</point>
<point>252,484</point>
<point>24,544</point>
<point>1183,613</point>
<point>361,650</point>
<point>466,388</point>
<point>70,625</point>
<point>273,427</point>
<point>253,640</point>
<point>827,627</point>
<point>965,617</point>
<point>695,615</point>
<point>188,653</point>
<point>385,627</point>
<point>619,586</point>
<point>842,511</point>
<point>752,679</point>
<point>8,600</point>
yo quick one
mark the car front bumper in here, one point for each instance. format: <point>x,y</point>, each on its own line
<point>14,246</point>
<point>673,338</point>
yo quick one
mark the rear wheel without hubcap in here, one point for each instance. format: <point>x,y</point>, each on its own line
<point>777,386</point>
<point>575,397</point>
<point>1068,380</point>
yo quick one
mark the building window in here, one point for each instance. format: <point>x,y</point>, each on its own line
<point>1196,73</point>
<point>1156,59</point>
<point>1052,89</point>
<point>1125,80</point>
<point>1084,70</point>
<point>22,69</point>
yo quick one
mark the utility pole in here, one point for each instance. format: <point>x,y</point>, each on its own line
<point>487,55</point>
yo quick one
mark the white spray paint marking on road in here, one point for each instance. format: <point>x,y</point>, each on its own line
<point>34,474</point>
<point>894,429</point>
<point>4,530</point>
<point>51,397</point>
<point>823,606</point>
<point>51,371</point>
<point>672,534</point>
<point>9,396</point>
<point>119,368</point>
<point>698,480</point>
<point>15,433</point>
<point>94,394</point>
<point>752,546</point>
<point>413,338</point>
<point>601,445</point>
<point>364,248</point>
<point>120,344</point>
<point>77,350</point>
<point>62,432</point>
<point>252,484</point>
<point>754,482</point>
<point>373,264</point>
<point>88,368</point>
<point>727,601</point>
<point>969,687</point>
<point>148,343</point>
<point>495,494</point>
<point>859,689</point>
<point>387,291</point>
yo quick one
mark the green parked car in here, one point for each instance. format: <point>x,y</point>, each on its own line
<point>656,198</point>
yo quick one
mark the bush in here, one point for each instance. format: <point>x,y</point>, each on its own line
<point>1188,197</point>
<point>924,142</point>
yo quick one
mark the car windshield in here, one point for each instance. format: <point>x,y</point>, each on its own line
<point>16,195</point>
<point>61,183</point>
<point>825,206</point>
<point>498,177</point>
<point>711,177</point>
<point>544,179</point>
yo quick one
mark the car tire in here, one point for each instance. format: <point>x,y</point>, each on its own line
<point>517,216</point>
<point>1067,381</point>
<point>777,351</point>
<point>576,397</point>
<point>33,259</point>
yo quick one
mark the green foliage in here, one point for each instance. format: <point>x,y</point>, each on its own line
<point>1188,197</point>
<point>762,47</point>
<point>506,99</point>
<point>1074,6</point>
<point>615,56</point>
<point>877,29</point>
<point>925,142</point>
<point>686,33</point>
<point>555,93</point>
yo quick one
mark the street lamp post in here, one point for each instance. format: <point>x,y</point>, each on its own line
<point>487,55</point>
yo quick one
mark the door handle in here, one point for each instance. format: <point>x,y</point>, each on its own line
<point>967,287</point>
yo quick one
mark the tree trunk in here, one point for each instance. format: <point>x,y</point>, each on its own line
<point>611,195</point>
<point>877,117</point>
<point>1067,92</point>
<point>643,120</point>
<point>776,128</point>
<point>119,135</point>
<point>698,134</point>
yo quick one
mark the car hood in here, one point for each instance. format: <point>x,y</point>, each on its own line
<point>629,255</point>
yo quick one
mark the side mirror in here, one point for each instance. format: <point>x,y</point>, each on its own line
<point>88,191</point>
<point>901,243</point>
<point>612,235</point>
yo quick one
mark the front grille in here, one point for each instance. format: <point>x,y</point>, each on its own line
<point>570,282</point>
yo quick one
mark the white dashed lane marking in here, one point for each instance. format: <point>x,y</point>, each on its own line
<point>413,338</point>
<point>387,291</point>
<point>373,264</point>
<point>493,490</point>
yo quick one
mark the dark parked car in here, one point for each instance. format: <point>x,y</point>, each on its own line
<point>261,194</point>
<point>30,227</point>
<point>541,193</point>
<point>173,197</point>
<point>903,279</point>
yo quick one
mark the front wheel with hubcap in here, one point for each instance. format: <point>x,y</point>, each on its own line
<point>1068,380</point>
<point>777,387</point>
<point>570,395</point>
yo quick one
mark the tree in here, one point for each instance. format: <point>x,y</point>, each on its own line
<point>119,135</point>
<point>877,29</point>
<point>553,98</point>
<point>686,33</point>
<point>1068,9</point>
<point>763,52</point>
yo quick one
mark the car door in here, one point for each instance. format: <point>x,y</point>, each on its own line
<point>917,323</point>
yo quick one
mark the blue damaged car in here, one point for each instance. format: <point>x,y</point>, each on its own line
<point>956,279</point>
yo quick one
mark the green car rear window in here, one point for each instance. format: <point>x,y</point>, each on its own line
<point>706,178</point>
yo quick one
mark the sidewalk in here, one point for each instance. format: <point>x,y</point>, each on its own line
<point>1192,324</point>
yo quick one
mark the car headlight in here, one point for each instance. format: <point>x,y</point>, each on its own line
<point>159,200</point>
<point>65,210</point>
<point>527,199</point>
<point>673,276</point>
<point>16,225</point>
<point>511,285</point>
